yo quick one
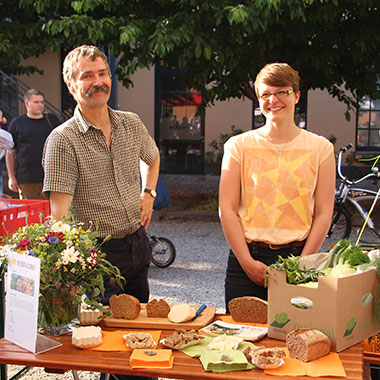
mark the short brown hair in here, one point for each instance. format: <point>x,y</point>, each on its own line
<point>84,51</point>
<point>278,75</point>
<point>31,92</point>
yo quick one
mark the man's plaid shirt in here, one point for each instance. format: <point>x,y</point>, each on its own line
<point>104,182</point>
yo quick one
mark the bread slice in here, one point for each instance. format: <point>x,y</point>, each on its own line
<point>249,309</point>
<point>124,306</point>
<point>157,308</point>
<point>307,344</point>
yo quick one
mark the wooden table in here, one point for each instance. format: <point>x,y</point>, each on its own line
<point>68,357</point>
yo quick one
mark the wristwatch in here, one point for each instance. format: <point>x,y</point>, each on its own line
<point>151,192</point>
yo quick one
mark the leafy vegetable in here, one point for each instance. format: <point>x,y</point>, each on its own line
<point>345,252</point>
<point>353,256</point>
<point>339,247</point>
<point>294,273</point>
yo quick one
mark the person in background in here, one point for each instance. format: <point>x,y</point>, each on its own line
<point>29,132</point>
<point>276,194</point>
<point>3,126</point>
<point>91,163</point>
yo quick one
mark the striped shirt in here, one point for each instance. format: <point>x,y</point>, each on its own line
<point>104,182</point>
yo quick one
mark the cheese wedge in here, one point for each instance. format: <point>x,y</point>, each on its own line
<point>181,313</point>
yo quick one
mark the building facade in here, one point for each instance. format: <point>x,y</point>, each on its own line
<point>183,135</point>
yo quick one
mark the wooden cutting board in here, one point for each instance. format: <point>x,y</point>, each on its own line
<point>145,322</point>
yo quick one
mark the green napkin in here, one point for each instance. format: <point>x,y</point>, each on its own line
<point>211,361</point>
<point>196,350</point>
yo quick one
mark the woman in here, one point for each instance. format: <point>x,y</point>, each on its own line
<point>277,184</point>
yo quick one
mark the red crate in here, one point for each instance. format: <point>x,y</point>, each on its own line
<point>29,211</point>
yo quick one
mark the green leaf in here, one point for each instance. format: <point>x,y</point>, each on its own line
<point>207,52</point>
<point>198,50</point>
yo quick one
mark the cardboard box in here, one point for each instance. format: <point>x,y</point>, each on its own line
<point>342,308</point>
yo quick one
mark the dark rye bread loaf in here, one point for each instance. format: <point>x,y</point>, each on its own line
<point>249,309</point>
<point>157,308</point>
<point>307,344</point>
<point>124,306</point>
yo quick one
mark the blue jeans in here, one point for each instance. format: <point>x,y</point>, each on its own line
<point>238,284</point>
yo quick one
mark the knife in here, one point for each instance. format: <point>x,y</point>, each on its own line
<point>199,311</point>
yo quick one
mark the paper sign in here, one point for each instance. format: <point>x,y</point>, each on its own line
<point>23,287</point>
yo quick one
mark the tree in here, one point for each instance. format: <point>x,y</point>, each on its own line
<point>221,44</point>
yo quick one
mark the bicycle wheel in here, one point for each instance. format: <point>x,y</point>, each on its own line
<point>370,235</point>
<point>340,227</point>
<point>163,252</point>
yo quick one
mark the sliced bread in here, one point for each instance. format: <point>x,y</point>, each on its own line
<point>249,309</point>
<point>157,308</point>
<point>124,306</point>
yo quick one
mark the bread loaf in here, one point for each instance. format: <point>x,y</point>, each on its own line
<point>249,309</point>
<point>124,306</point>
<point>307,344</point>
<point>157,308</point>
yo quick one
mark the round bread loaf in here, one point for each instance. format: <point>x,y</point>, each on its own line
<point>249,309</point>
<point>307,344</point>
<point>124,306</point>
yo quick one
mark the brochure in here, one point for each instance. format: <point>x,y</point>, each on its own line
<point>251,333</point>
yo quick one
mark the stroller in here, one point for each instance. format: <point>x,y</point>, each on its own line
<point>163,250</point>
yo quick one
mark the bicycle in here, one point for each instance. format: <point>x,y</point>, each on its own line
<point>347,198</point>
<point>163,251</point>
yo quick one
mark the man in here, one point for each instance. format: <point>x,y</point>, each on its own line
<point>29,131</point>
<point>92,162</point>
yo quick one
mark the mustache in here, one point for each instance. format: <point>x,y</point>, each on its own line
<point>94,89</point>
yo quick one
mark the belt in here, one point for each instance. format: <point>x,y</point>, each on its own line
<point>278,246</point>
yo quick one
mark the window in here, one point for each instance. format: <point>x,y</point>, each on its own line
<point>368,125</point>
<point>179,124</point>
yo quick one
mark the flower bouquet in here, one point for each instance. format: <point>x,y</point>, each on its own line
<point>72,269</point>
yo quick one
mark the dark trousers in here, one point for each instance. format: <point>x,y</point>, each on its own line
<point>131,255</point>
<point>238,284</point>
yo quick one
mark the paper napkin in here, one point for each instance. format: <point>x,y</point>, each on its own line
<point>163,359</point>
<point>114,341</point>
<point>212,361</point>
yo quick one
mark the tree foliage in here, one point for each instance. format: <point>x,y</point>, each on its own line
<point>222,44</point>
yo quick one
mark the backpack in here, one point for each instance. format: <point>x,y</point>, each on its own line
<point>163,197</point>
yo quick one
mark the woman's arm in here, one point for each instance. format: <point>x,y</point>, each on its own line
<point>323,208</point>
<point>229,200</point>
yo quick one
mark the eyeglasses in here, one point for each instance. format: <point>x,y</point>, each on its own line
<point>278,94</point>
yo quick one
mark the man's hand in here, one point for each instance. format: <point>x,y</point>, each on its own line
<point>13,184</point>
<point>146,209</point>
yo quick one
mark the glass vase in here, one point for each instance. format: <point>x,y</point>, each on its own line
<point>57,310</point>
